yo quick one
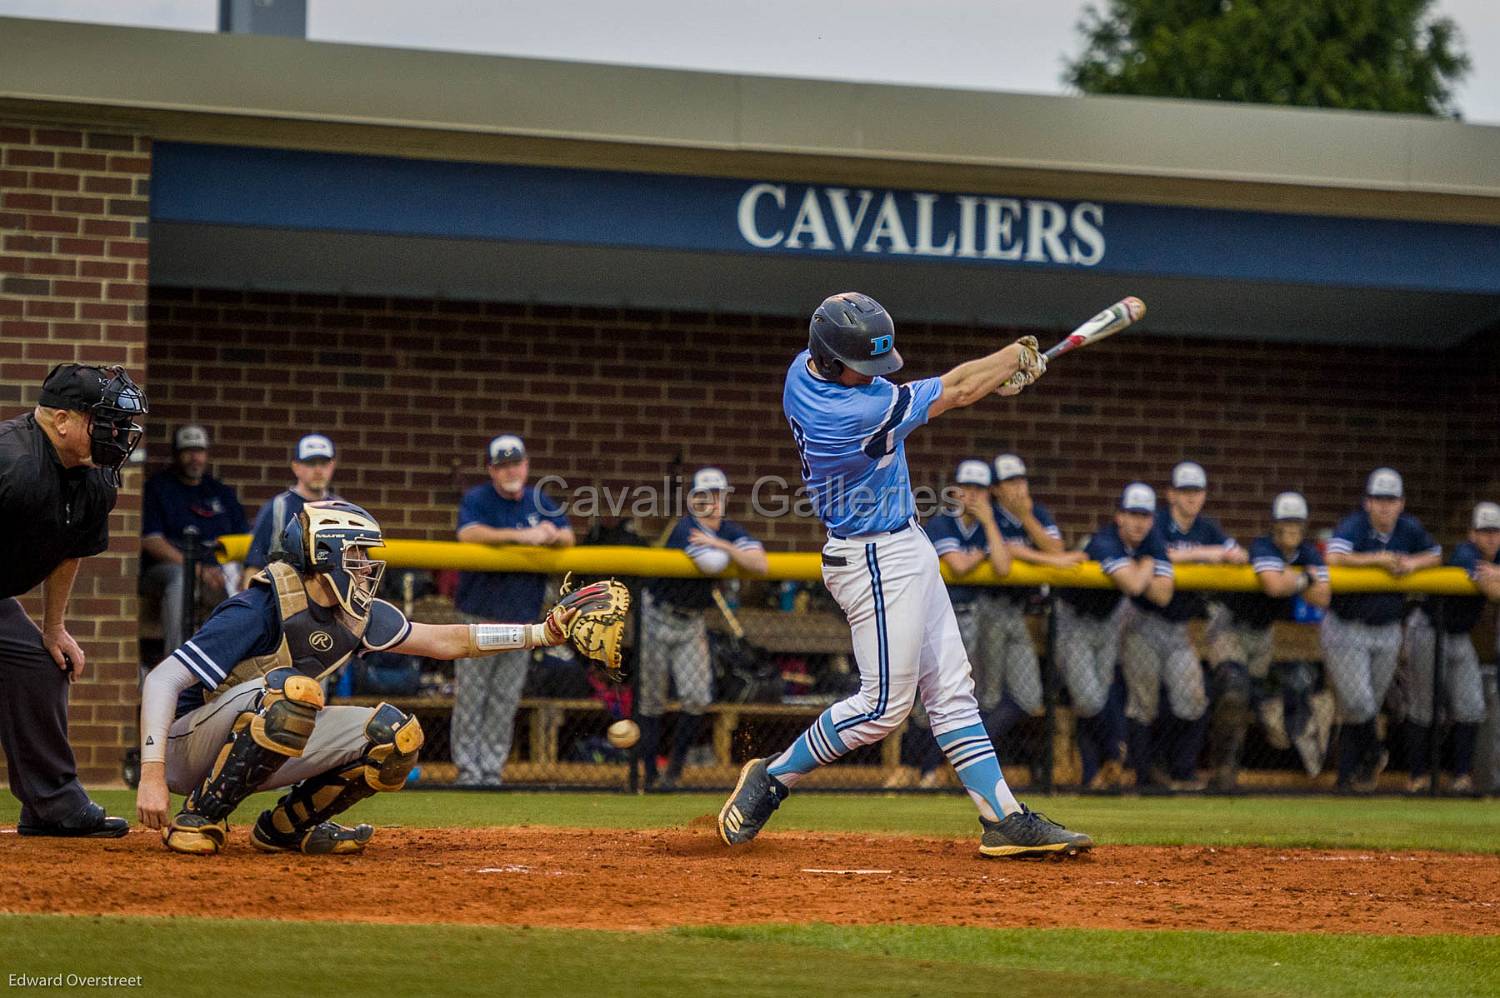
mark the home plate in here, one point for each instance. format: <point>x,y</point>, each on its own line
<point>518,868</point>
<point>856,872</point>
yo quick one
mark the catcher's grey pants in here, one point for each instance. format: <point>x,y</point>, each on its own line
<point>1154,651</point>
<point>1087,649</point>
<point>196,739</point>
<point>1460,674</point>
<point>1360,662</point>
<point>674,644</point>
<point>486,693</point>
<point>1231,641</point>
<point>1000,652</point>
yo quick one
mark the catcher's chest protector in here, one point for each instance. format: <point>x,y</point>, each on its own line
<point>315,640</point>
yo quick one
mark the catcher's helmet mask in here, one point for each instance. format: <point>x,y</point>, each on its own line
<point>332,538</point>
<point>852,330</point>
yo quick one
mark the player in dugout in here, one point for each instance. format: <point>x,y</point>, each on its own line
<point>1090,623</point>
<point>1479,556</point>
<point>1361,635</point>
<point>1287,565</point>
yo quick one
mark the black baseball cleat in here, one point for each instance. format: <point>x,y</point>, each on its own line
<point>1027,833</point>
<point>323,839</point>
<point>90,823</point>
<point>756,797</point>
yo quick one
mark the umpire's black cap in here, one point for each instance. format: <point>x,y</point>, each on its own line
<point>73,386</point>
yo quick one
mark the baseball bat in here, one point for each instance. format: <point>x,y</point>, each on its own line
<point>1108,322</point>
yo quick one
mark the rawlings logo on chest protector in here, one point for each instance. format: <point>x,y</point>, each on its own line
<point>315,640</point>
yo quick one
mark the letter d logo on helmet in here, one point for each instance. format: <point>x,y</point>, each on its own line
<point>851,330</point>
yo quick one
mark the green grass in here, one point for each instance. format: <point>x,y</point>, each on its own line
<point>1322,822</point>
<point>176,956</point>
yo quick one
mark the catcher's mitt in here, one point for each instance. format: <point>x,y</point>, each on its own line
<point>600,625</point>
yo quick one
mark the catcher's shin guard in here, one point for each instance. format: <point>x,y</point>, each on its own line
<point>299,821</point>
<point>261,741</point>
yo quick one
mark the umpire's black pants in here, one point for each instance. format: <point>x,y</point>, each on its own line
<point>34,723</point>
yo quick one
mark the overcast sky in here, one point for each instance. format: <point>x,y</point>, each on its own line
<point>987,44</point>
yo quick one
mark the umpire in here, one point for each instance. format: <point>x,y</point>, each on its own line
<point>59,478</point>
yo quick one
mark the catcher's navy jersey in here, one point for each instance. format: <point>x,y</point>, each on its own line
<point>1356,535</point>
<point>247,625</point>
<point>852,445</point>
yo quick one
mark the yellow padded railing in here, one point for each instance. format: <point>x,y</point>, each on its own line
<point>802,566</point>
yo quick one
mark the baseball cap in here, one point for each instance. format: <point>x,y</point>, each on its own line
<point>1008,466</point>
<point>972,473</point>
<point>313,447</point>
<point>1138,497</point>
<point>1384,483</point>
<point>1289,506</point>
<point>189,438</point>
<point>505,448</point>
<point>710,480</point>
<point>1487,516</point>
<point>73,386</point>
<point>1189,475</point>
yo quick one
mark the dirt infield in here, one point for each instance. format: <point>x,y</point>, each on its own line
<point>593,878</point>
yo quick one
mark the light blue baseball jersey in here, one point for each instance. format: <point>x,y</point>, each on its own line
<point>852,443</point>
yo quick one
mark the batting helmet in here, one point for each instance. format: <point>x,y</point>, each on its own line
<point>332,538</point>
<point>852,330</point>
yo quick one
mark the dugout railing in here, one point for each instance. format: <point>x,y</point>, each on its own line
<point>780,654</point>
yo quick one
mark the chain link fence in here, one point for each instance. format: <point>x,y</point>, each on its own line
<point>1101,696</point>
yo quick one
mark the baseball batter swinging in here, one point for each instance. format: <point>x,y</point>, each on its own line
<point>239,707</point>
<point>850,425</point>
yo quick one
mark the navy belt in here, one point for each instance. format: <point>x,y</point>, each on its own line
<point>878,533</point>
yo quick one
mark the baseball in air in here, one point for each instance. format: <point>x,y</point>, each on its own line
<point>623,734</point>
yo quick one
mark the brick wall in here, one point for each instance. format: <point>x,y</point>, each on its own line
<point>411,390</point>
<point>73,207</point>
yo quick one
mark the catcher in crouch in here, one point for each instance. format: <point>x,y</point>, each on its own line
<point>239,707</point>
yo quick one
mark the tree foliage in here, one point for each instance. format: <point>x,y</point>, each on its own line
<point>1368,55</point>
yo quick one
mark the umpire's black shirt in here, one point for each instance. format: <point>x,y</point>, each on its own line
<point>48,513</point>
